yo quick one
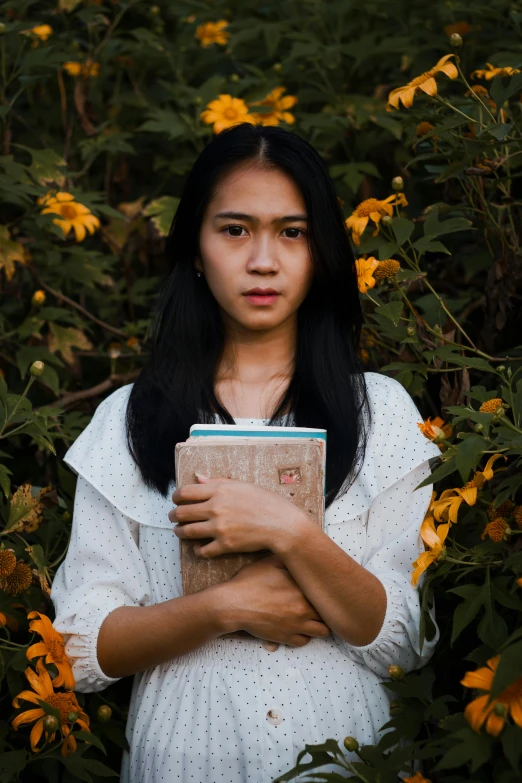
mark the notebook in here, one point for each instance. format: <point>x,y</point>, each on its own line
<point>287,460</point>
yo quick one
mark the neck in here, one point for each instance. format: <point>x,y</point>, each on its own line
<point>258,356</point>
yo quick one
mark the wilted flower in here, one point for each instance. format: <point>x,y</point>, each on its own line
<point>18,580</point>
<point>425,82</point>
<point>365,268</point>
<point>72,214</point>
<point>496,529</point>
<point>212,32</point>
<point>226,111</point>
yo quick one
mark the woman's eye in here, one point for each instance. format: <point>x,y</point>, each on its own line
<point>232,228</point>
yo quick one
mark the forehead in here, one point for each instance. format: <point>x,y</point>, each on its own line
<point>263,191</point>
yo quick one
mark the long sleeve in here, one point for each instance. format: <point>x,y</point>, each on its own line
<point>103,569</point>
<point>393,543</point>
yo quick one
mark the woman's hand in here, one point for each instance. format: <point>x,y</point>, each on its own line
<point>265,600</point>
<point>238,516</point>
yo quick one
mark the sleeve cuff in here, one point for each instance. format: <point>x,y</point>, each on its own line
<point>82,651</point>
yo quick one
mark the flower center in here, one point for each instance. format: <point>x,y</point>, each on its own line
<point>68,211</point>
<point>56,648</point>
<point>367,206</point>
<point>64,702</point>
<point>230,113</point>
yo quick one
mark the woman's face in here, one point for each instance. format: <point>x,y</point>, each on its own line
<point>261,245</point>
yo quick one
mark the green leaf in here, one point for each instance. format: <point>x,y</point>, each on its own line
<point>5,483</point>
<point>162,211</point>
<point>499,131</point>
<point>508,670</point>
<point>512,746</point>
<point>90,738</point>
<point>501,93</point>
<point>402,230</point>
<point>439,473</point>
<point>391,310</point>
<point>468,454</point>
<point>472,748</point>
<point>429,245</point>
<point>13,762</point>
<point>466,611</point>
<point>164,121</point>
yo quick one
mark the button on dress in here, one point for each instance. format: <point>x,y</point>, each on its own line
<point>240,710</point>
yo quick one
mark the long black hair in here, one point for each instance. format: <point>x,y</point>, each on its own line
<point>176,387</point>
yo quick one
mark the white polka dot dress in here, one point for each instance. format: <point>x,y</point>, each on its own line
<point>240,710</point>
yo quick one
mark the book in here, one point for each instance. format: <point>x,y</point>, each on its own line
<point>287,460</point>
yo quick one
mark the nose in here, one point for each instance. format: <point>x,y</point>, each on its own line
<point>263,257</point>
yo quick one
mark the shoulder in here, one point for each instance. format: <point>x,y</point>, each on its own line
<point>114,402</point>
<point>387,397</point>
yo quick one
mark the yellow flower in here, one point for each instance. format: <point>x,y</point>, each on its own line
<point>89,68</point>
<point>226,111</point>
<point>212,32</point>
<point>38,298</point>
<point>372,209</point>
<point>423,128</point>
<point>365,268</point>
<point>72,215</point>
<point>42,31</point>
<point>279,106</point>
<point>491,406</point>
<point>53,648</point>
<point>490,72</point>
<point>425,82</point>
<point>479,711</point>
<point>434,538</point>
<point>64,702</point>
<point>417,778</point>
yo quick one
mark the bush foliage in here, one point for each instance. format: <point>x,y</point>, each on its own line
<point>103,108</point>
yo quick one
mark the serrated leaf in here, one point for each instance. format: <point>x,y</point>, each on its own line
<point>391,310</point>
<point>164,121</point>
<point>64,338</point>
<point>11,253</point>
<point>429,245</point>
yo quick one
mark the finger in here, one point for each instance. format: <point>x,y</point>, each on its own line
<point>206,479</point>
<point>190,512</point>
<point>209,550</point>
<point>192,493</point>
<point>195,530</point>
<point>313,628</point>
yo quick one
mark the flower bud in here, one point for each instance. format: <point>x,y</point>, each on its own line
<point>72,717</point>
<point>386,220</point>
<point>277,67</point>
<point>456,40</point>
<point>478,427</point>
<point>500,709</point>
<point>50,724</point>
<point>396,672</point>
<point>198,100</point>
<point>234,78</point>
<point>398,183</point>
<point>37,368</point>
<point>499,414</point>
<point>104,713</point>
<point>351,744</point>
<point>411,331</point>
<point>2,28</point>
<point>155,10</point>
<point>501,368</point>
<point>38,298</point>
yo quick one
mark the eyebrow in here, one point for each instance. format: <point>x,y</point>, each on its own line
<point>243,216</point>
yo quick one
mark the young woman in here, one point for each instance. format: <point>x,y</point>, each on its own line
<point>258,321</point>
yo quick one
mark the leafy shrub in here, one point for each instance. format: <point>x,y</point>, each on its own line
<point>95,97</point>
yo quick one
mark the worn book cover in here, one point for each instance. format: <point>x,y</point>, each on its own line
<point>287,460</point>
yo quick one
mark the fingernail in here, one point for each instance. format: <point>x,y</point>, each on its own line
<point>201,475</point>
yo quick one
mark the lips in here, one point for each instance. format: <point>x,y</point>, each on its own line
<point>261,296</point>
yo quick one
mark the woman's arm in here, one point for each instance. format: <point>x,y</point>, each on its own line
<point>373,607</point>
